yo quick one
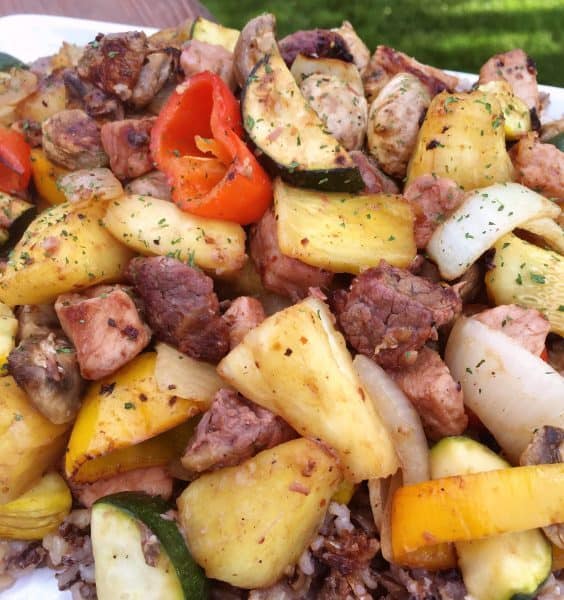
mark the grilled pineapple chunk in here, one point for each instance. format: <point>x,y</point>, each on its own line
<point>344,232</point>
<point>157,227</point>
<point>37,512</point>
<point>530,276</point>
<point>517,118</point>
<point>246,524</point>
<point>65,248</point>
<point>297,365</point>
<point>462,138</point>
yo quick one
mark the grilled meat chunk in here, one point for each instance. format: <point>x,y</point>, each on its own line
<point>154,184</point>
<point>181,306</point>
<point>85,95</point>
<point>36,319</point>
<point>71,138</point>
<point>539,166</point>
<point>547,447</point>
<point>389,313</point>
<point>200,56</point>
<point>525,325</point>
<point>232,430</point>
<point>256,39</point>
<point>45,366</point>
<point>375,180</point>
<point>104,326</point>
<point>127,145</point>
<point>394,121</point>
<point>113,62</point>
<point>159,67</point>
<point>244,313</point>
<point>319,43</point>
<point>433,198</point>
<point>433,392</point>
<point>518,69</point>
<point>282,274</point>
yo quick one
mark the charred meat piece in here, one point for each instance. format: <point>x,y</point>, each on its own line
<point>113,62</point>
<point>518,69</point>
<point>433,392</point>
<point>539,166</point>
<point>36,319</point>
<point>256,39</point>
<point>31,130</point>
<point>244,313</point>
<point>555,348</point>
<point>319,43</point>
<point>232,430</point>
<point>389,313</point>
<point>200,56</point>
<point>282,274</point>
<point>127,145</point>
<point>394,122</point>
<point>45,366</point>
<point>375,180</point>
<point>525,325</point>
<point>420,584</point>
<point>154,481</point>
<point>387,62</point>
<point>71,138</point>
<point>85,95</point>
<point>181,306</point>
<point>159,67</point>
<point>434,199</point>
<point>105,328</point>
<point>343,111</point>
<point>547,447</point>
<point>154,184</point>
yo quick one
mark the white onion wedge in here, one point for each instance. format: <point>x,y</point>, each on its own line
<point>399,417</point>
<point>511,390</point>
<point>90,184</point>
<point>484,217</point>
<point>190,378</point>
<point>548,230</point>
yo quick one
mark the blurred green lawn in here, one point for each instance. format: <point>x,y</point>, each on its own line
<point>456,34</point>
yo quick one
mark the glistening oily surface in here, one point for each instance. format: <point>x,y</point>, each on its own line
<point>46,39</point>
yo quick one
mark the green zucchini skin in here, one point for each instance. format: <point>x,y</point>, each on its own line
<point>557,140</point>
<point>7,62</point>
<point>148,510</point>
<point>330,170</point>
<point>459,455</point>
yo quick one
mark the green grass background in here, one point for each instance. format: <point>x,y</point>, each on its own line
<point>456,34</point>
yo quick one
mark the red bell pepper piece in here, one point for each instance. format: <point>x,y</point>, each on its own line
<point>196,141</point>
<point>15,161</point>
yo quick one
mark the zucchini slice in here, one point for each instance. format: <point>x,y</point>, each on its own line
<point>289,134</point>
<point>509,566</point>
<point>122,569</point>
<point>213,33</point>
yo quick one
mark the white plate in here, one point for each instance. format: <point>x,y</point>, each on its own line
<point>30,36</point>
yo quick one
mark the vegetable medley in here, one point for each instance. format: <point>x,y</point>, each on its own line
<point>280,319</point>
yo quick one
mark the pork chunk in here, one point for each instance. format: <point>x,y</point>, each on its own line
<point>152,480</point>
<point>375,180</point>
<point>127,145</point>
<point>518,69</point>
<point>45,366</point>
<point>389,313</point>
<point>319,43</point>
<point>434,199</point>
<point>547,447</point>
<point>525,325</point>
<point>85,95</point>
<point>159,67</point>
<point>200,56</point>
<point>113,62</point>
<point>433,392</point>
<point>232,430</point>
<point>72,139</point>
<point>281,274</point>
<point>181,306</point>
<point>539,166</point>
<point>244,314</point>
<point>154,184</point>
<point>104,326</point>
